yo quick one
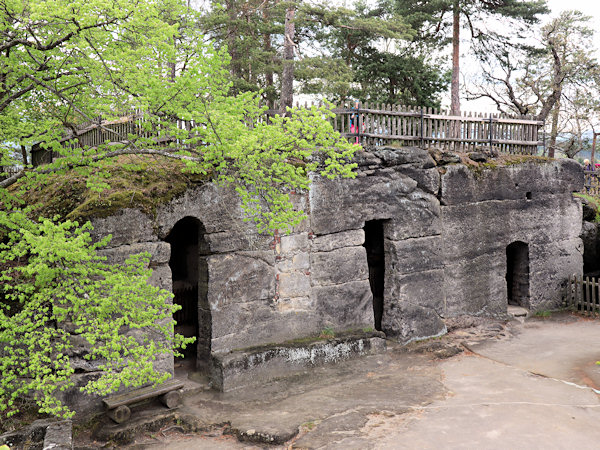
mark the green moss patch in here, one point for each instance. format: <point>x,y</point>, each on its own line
<point>135,182</point>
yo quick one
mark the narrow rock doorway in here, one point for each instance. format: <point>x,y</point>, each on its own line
<point>189,268</point>
<point>376,261</point>
<point>517,274</point>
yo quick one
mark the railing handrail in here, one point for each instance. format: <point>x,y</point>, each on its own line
<point>369,124</point>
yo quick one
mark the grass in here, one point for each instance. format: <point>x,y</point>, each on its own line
<point>327,333</point>
<point>593,202</point>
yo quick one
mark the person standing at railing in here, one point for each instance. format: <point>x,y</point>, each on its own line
<point>587,176</point>
<point>357,120</point>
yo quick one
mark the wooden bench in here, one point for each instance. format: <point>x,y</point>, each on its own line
<point>117,404</point>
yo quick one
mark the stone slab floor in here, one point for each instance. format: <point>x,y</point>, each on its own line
<point>527,387</point>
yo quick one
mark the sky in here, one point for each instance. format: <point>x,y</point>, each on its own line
<point>588,7</point>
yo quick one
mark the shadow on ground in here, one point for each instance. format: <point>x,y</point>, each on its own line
<point>520,385</point>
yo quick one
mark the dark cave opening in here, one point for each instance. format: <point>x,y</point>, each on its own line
<point>374,245</point>
<point>189,268</point>
<point>517,274</point>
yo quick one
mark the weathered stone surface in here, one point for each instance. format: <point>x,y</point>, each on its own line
<point>59,436</point>
<point>445,248</point>
<point>414,255</point>
<point>294,284</point>
<point>339,205</point>
<point>396,156</point>
<point>159,251</point>
<point>346,305</point>
<point>161,277</point>
<point>237,278</point>
<point>424,289</point>
<point>565,224</point>
<point>218,208</point>
<point>419,216</point>
<point>338,266</point>
<point>244,325</point>
<point>476,285</point>
<point>447,158</point>
<point>294,304</point>
<point>463,185</point>
<point>478,157</point>
<point>366,158</point>
<point>474,229</point>
<point>550,267</point>
<point>126,227</point>
<point>83,365</point>
<point>297,262</point>
<point>30,437</point>
<point>407,322</point>
<point>328,242</point>
<point>248,368</point>
<point>294,243</point>
<point>86,405</point>
<point>242,239</point>
<point>427,180</point>
<point>589,211</point>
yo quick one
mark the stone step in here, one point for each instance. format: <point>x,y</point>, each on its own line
<point>517,311</point>
<point>252,366</point>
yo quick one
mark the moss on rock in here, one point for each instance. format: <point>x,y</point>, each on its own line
<point>135,182</point>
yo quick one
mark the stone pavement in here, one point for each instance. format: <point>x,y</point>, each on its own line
<point>527,387</point>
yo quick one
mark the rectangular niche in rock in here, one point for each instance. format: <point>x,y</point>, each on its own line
<point>189,269</point>
<point>376,261</point>
<point>517,274</point>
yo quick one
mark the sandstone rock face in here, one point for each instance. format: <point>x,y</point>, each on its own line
<point>442,249</point>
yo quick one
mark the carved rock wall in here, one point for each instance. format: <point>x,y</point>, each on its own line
<point>445,233</point>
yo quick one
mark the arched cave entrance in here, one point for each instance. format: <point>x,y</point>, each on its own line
<point>189,268</point>
<point>517,274</point>
<point>376,261</point>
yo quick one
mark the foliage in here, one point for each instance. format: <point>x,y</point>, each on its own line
<point>64,64</point>
<point>529,74</point>
<point>58,292</point>
<point>441,21</point>
<point>400,79</point>
<point>327,333</point>
<point>555,79</point>
<point>342,53</point>
<point>374,56</point>
<point>248,31</point>
<point>593,202</point>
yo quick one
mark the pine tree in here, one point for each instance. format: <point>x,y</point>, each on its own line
<point>434,19</point>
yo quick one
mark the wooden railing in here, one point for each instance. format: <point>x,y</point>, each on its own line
<point>116,131</point>
<point>591,182</point>
<point>582,295</point>
<point>369,125</point>
<point>374,125</point>
<point>8,171</point>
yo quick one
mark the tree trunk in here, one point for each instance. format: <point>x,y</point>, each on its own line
<point>171,65</point>
<point>454,91</point>
<point>593,156</point>
<point>234,65</point>
<point>287,79</point>
<point>269,70</point>
<point>24,154</point>
<point>554,129</point>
